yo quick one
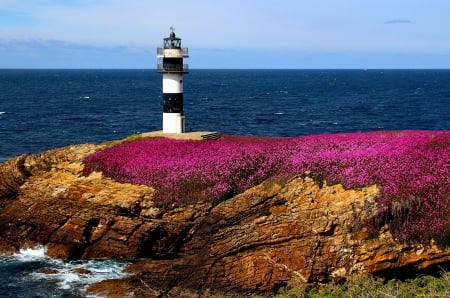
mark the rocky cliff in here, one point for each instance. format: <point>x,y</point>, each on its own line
<point>271,236</point>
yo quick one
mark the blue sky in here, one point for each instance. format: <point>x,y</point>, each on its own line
<point>226,34</point>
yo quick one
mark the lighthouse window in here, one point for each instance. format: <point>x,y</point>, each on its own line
<point>172,43</point>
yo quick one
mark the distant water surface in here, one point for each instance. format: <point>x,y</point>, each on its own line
<point>42,109</point>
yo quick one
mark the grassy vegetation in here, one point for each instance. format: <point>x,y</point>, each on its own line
<point>424,286</point>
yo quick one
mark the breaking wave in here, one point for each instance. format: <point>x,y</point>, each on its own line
<point>31,273</point>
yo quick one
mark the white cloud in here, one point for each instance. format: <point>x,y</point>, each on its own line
<point>283,26</point>
<point>398,21</point>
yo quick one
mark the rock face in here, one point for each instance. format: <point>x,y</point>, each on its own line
<point>271,236</point>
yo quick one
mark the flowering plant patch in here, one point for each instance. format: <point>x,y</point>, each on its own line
<point>412,169</point>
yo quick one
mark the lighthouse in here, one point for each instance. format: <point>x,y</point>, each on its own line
<point>170,65</point>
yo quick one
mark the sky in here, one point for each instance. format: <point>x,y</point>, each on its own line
<point>300,34</point>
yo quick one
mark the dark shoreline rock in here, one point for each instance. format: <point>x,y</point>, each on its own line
<point>269,237</point>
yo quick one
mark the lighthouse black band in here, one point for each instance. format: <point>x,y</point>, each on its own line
<point>173,103</point>
<point>173,64</point>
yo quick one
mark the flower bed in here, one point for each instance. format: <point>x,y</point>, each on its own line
<point>411,167</point>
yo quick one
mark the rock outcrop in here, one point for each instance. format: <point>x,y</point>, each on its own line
<point>271,236</point>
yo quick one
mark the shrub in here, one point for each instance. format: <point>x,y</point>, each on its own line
<point>411,167</point>
<point>424,286</point>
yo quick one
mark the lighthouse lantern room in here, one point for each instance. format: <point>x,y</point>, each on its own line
<point>170,64</point>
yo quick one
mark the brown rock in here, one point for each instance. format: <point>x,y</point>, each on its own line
<point>48,271</point>
<point>81,271</point>
<point>119,288</point>
<point>12,176</point>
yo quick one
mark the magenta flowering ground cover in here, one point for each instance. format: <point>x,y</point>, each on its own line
<point>412,168</point>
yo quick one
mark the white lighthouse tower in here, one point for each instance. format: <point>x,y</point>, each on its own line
<point>170,64</point>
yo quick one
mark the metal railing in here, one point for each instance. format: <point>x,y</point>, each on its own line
<point>184,68</point>
<point>160,52</point>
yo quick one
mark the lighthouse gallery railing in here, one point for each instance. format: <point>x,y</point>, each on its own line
<point>172,67</point>
<point>160,52</point>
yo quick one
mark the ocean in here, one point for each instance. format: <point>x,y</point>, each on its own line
<point>31,273</point>
<point>44,109</point>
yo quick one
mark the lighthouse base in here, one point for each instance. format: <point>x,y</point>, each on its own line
<point>173,123</point>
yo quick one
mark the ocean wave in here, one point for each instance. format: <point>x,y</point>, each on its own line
<point>31,254</point>
<point>43,274</point>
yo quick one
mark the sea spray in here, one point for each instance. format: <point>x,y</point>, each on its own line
<point>32,273</point>
<point>31,254</point>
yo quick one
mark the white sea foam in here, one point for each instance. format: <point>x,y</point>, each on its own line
<point>89,272</point>
<point>31,254</point>
<point>68,280</point>
<point>72,276</point>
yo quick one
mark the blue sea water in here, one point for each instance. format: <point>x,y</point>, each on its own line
<point>43,109</point>
<point>22,275</point>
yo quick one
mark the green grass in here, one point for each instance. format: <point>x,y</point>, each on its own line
<point>424,286</point>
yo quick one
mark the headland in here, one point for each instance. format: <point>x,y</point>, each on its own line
<point>272,235</point>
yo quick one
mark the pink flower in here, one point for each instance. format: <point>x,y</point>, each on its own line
<point>405,164</point>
